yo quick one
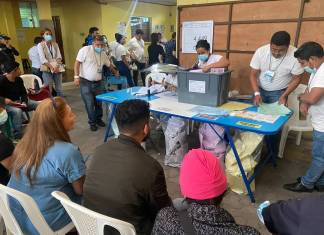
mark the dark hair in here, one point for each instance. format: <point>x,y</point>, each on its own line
<point>93,29</point>
<point>99,38</point>
<point>308,49</point>
<point>280,38</point>
<point>132,115</point>
<point>118,37</point>
<point>44,30</point>
<point>38,40</point>
<point>10,66</point>
<point>154,38</point>
<point>139,32</point>
<point>213,201</point>
<point>203,44</point>
<point>174,34</point>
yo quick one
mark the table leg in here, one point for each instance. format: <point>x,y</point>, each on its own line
<point>239,163</point>
<point>110,118</point>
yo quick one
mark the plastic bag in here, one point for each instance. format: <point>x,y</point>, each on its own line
<point>212,142</point>
<point>176,145</point>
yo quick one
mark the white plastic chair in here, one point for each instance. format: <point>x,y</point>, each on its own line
<point>28,80</point>
<point>31,210</point>
<point>156,77</point>
<point>89,222</point>
<point>294,123</point>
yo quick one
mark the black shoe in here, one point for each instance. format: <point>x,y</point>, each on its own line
<point>297,187</point>
<point>93,127</point>
<point>101,123</point>
<point>319,188</point>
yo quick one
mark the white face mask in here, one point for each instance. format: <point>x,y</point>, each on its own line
<point>3,117</point>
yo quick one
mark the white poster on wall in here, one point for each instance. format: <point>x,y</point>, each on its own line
<point>193,31</point>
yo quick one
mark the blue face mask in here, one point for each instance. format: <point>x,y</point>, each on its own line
<point>310,70</point>
<point>98,50</point>
<point>48,38</point>
<point>203,57</point>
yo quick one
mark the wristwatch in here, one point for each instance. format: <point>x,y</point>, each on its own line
<point>256,93</point>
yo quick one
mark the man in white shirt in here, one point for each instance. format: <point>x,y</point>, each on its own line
<point>311,56</point>
<point>275,73</point>
<point>88,75</point>
<point>136,47</point>
<point>34,57</point>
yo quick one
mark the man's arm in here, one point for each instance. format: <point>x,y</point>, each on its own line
<point>159,191</point>
<point>291,87</point>
<point>77,65</point>
<point>254,75</point>
<point>312,97</point>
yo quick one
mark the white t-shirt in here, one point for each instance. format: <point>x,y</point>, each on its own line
<point>211,60</point>
<point>284,68</point>
<point>91,63</point>
<point>138,47</point>
<point>34,57</point>
<point>120,51</point>
<point>316,111</point>
<point>113,46</point>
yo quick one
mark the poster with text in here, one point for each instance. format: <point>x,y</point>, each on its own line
<point>193,31</point>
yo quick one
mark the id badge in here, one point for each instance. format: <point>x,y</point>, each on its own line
<point>269,75</point>
<point>99,70</point>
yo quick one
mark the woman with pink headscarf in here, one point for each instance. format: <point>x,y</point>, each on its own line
<point>203,184</point>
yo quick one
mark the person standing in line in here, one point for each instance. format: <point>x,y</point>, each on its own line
<point>51,62</point>
<point>93,31</point>
<point>136,45</point>
<point>88,75</point>
<point>155,51</point>
<point>34,57</point>
<point>170,51</point>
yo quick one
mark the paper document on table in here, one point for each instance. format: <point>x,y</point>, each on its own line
<point>170,107</point>
<point>197,86</point>
<point>273,109</point>
<point>233,106</point>
<point>157,88</point>
<point>209,111</point>
<point>196,71</point>
<point>255,116</point>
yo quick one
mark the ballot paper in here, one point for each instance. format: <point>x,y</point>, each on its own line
<point>232,106</point>
<point>255,116</point>
<point>273,109</point>
<point>157,88</point>
<point>209,111</point>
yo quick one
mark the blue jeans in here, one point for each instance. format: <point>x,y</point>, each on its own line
<point>315,173</point>
<point>269,97</point>
<point>16,114</point>
<point>124,71</point>
<point>53,78</point>
<point>37,72</point>
<point>89,91</point>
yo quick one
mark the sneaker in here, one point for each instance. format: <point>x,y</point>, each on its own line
<point>101,123</point>
<point>93,127</point>
<point>319,188</point>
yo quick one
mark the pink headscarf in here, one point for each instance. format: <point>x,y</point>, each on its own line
<point>201,175</point>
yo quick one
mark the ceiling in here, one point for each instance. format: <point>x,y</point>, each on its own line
<point>161,2</point>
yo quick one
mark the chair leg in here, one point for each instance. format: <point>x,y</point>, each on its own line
<point>283,139</point>
<point>299,136</point>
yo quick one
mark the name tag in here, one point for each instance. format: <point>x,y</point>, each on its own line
<point>269,75</point>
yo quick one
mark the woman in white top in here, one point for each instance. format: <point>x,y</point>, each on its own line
<point>51,62</point>
<point>206,60</point>
<point>122,59</point>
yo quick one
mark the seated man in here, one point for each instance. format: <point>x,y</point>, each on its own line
<point>16,100</point>
<point>123,181</point>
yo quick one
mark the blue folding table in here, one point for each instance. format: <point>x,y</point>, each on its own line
<point>170,106</point>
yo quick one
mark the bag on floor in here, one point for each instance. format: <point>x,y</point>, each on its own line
<point>212,142</point>
<point>176,145</point>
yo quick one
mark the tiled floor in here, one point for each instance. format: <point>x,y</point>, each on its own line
<point>268,183</point>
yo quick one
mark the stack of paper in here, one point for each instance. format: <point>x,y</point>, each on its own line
<point>157,88</point>
<point>273,109</point>
<point>255,116</point>
<point>233,106</point>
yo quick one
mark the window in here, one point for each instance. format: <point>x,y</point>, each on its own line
<point>144,23</point>
<point>28,14</point>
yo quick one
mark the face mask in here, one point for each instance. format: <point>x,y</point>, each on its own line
<point>3,117</point>
<point>310,70</point>
<point>48,38</point>
<point>98,50</point>
<point>203,57</point>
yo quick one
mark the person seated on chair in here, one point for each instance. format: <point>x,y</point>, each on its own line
<point>311,56</point>
<point>203,183</point>
<point>44,161</point>
<point>207,61</point>
<point>12,88</point>
<point>295,216</point>
<point>123,181</point>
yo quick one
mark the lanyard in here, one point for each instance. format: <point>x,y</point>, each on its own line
<point>98,64</point>
<point>278,64</point>
<point>50,49</point>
